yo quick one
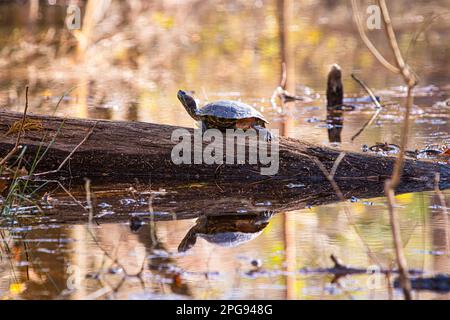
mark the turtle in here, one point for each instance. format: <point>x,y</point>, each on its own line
<point>225,114</point>
<point>226,230</point>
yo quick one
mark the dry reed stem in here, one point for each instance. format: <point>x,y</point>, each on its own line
<point>444,213</point>
<point>391,184</point>
<point>367,41</point>
<point>398,245</point>
<point>372,96</point>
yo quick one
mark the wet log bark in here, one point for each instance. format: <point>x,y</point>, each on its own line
<point>121,150</point>
<point>167,201</point>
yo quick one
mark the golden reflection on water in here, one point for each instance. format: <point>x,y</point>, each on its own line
<point>291,241</point>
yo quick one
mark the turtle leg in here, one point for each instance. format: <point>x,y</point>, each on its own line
<point>266,215</point>
<point>264,132</point>
<point>204,126</point>
<point>189,240</point>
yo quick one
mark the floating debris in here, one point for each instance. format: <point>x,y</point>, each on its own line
<point>442,104</point>
<point>115,270</point>
<point>257,263</point>
<point>265,203</point>
<point>313,120</point>
<point>45,250</point>
<point>93,275</point>
<point>150,213</point>
<point>136,223</point>
<point>430,252</point>
<point>104,205</point>
<point>104,213</point>
<point>438,283</point>
<point>295,185</point>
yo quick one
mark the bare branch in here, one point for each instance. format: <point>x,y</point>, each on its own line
<point>19,134</point>
<point>444,213</point>
<point>66,159</point>
<point>374,100</point>
<point>405,283</point>
<point>367,41</point>
<point>391,184</point>
<point>408,76</point>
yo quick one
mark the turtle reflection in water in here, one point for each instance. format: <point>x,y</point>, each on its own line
<point>226,230</point>
<point>226,114</point>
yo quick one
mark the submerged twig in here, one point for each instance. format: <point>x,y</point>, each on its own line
<point>374,100</point>
<point>281,92</point>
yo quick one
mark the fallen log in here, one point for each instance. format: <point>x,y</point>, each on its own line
<point>121,150</point>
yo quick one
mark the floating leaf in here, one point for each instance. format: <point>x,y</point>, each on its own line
<point>17,288</point>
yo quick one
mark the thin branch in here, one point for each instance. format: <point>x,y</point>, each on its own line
<point>19,134</point>
<point>405,282</point>
<point>65,190</point>
<point>391,184</point>
<point>398,166</point>
<point>281,92</point>
<point>283,76</point>
<point>421,30</point>
<point>408,76</point>
<point>444,213</point>
<point>367,41</point>
<point>336,164</point>
<point>341,197</point>
<point>368,90</point>
<point>66,159</point>
<point>374,100</point>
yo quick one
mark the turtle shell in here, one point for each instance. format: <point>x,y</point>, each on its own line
<point>230,110</point>
<point>229,239</point>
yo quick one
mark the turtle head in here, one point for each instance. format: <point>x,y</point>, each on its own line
<point>189,104</point>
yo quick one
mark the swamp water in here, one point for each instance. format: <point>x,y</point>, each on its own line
<point>137,258</point>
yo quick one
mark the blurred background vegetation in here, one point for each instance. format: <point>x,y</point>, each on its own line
<point>227,46</point>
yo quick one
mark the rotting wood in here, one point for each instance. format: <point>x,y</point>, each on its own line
<point>121,150</point>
